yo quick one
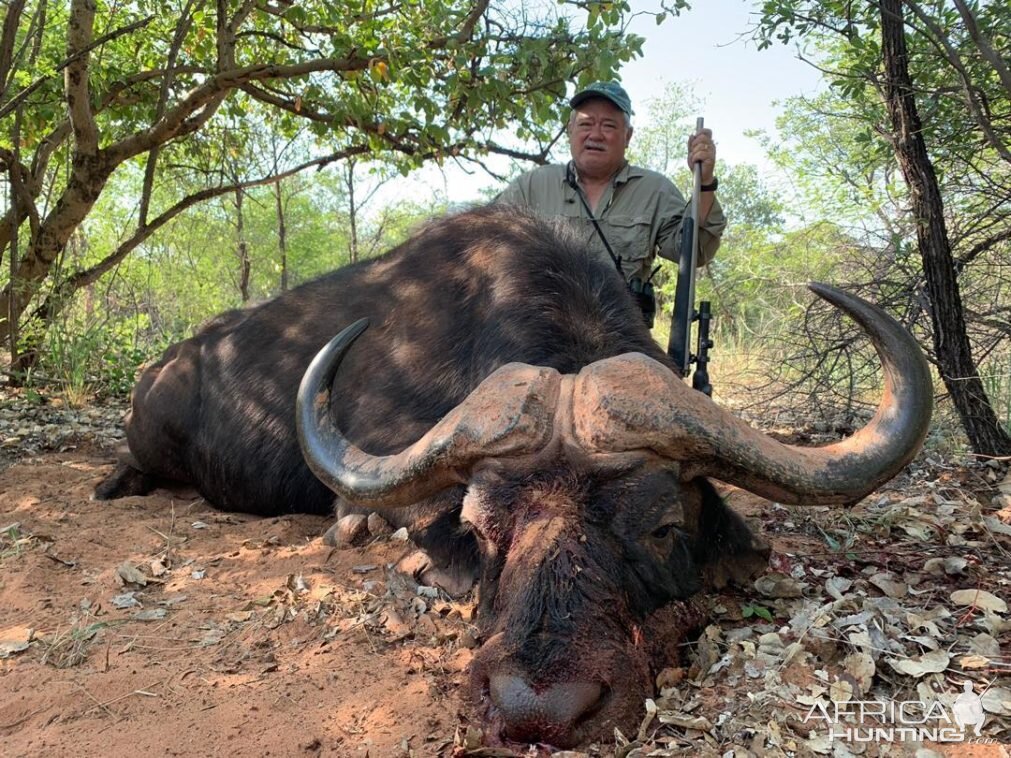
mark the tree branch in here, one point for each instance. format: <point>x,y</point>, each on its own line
<point>296,107</point>
<point>181,30</point>
<point>981,247</point>
<point>945,47</point>
<point>54,302</point>
<point>199,104</point>
<point>8,37</point>
<point>983,43</point>
<point>13,102</point>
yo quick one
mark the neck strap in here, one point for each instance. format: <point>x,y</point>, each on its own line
<point>570,179</point>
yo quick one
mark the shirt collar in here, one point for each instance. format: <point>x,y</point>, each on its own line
<point>626,172</point>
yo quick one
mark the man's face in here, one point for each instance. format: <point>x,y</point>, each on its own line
<point>598,138</point>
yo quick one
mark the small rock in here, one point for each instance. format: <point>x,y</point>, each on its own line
<point>15,639</point>
<point>394,624</point>
<point>126,600</point>
<point>130,574</point>
<point>378,526</point>
<point>770,641</point>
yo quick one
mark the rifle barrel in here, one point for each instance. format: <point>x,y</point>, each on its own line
<point>696,201</point>
<point>679,345</point>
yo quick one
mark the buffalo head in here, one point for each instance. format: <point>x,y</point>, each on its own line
<point>588,499</point>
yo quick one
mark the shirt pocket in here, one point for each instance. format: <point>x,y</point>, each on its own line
<point>630,238</point>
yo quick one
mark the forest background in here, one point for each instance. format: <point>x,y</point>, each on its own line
<point>162,162</point>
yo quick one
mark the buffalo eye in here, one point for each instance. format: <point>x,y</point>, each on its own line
<point>662,532</point>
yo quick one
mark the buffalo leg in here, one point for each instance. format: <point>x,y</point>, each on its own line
<point>124,482</point>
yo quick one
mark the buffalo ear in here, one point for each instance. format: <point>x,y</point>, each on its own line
<point>726,548</point>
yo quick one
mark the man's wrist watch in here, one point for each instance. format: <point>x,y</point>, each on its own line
<point>712,186</point>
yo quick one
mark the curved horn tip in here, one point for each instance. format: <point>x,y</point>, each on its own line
<point>329,357</point>
<point>871,317</point>
<point>828,292</point>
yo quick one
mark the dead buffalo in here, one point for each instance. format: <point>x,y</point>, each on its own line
<point>509,407</point>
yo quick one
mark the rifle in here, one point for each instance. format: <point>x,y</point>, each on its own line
<point>679,345</point>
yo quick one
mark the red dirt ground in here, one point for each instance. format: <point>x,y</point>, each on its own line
<point>281,648</point>
<point>249,636</point>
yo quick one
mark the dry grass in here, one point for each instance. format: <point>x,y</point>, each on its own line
<point>69,647</point>
<point>14,542</point>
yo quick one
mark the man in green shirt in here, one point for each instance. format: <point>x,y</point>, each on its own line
<point>639,212</point>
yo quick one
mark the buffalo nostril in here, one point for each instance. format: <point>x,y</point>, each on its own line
<point>548,714</point>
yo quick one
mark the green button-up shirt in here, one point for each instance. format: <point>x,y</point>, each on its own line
<point>640,213</point>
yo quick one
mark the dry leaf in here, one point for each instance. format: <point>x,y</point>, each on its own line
<point>997,700</point>
<point>979,599</point>
<point>861,667</point>
<point>841,691</point>
<point>973,662</point>
<point>686,722</point>
<point>887,584</point>
<point>779,585</point>
<point>929,663</point>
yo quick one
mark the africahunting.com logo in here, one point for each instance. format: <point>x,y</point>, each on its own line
<point>910,720</point>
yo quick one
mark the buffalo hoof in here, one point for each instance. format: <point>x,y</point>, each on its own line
<point>455,581</point>
<point>349,531</point>
<point>124,482</point>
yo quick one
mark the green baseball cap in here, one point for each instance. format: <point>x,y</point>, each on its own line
<point>609,91</point>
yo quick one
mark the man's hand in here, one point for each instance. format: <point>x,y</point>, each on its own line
<point>702,149</point>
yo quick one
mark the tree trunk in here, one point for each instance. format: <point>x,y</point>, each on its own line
<point>89,176</point>
<point>243,249</point>
<point>282,235</point>
<point>349,178</point>
<point>951,342</point>
<point>12,314</point>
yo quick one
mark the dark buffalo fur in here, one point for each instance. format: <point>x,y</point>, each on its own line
<point>462,297</point>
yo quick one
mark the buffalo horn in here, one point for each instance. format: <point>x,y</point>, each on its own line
<point>665,416</point>
<point>510,413</point>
